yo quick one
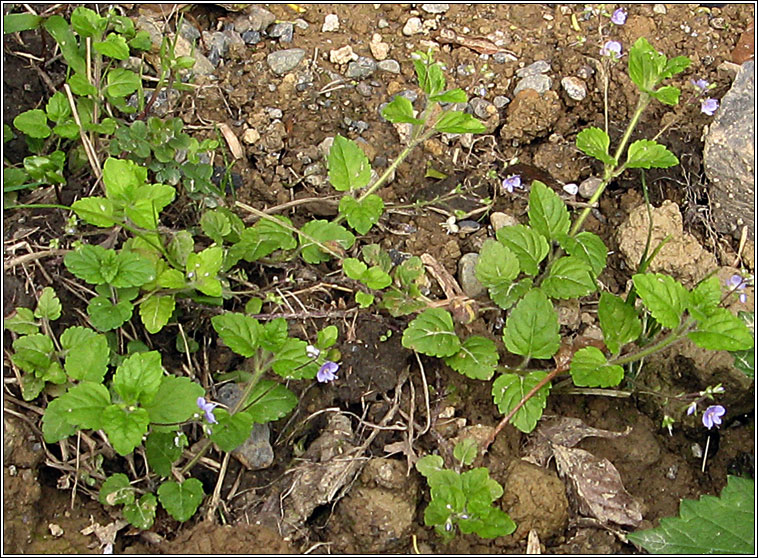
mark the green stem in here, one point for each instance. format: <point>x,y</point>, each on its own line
<point>671,338</point>
<point>613,171</point>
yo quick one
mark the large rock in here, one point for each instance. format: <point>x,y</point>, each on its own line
<point>728,155</point>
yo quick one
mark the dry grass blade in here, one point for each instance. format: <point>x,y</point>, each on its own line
<point>235,147</point>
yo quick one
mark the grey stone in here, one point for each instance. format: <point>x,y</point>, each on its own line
<point>540,83</point>
<point>260,19</point>
<point>389,65</point>
<point>498,220</point>
<point>500,101</point>
<point>301,24</point>
<point>256,452</point>
<point>364,89</point>
<point>282,61</point>
<point>536,68</point>
<point>589,186</point>
<point>251,37</point>
<point>466,275</point>
<point>412,27</point>
<point>282,31</point>
<point>481,108</point>
<point>500,58</point>
<point>408,94</point>
<point>574,87</point>
<point>729,155</point>
<point>189,32</point>
<point>435,8</point>
<point>361,68</point>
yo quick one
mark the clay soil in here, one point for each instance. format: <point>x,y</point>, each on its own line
<point>657,468</point>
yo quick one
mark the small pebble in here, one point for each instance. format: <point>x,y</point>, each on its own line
<point>540,83</point>
<point>361,67</point>
<point>383,24</point>
<point>482,108</point>
<point>282,61</point>
<point>435,8</point>
<point>536,68</point>
<point>342,55</point>
<point>718,23</point>
<point>379,49</point>
<point>574,87</point>
<point>412,27</point>
<point>467,226</point>
<point>364,89</point>
<point>251,136</point>
<point>659,9</point>
<point>282,31</point>
<point>390,65</point>
<point>467,275</point>
<point>500,101</point>
<point>498,220</point>
<point>301,24</point>
<point>251,37</point>
<point>259,18</point>
<point>465,70</point>
<point>589,186</point>
<point>331,23</point>
<point>571,188</point>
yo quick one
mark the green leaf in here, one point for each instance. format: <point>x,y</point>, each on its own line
<point>33,123</point>
<point>122,178</point>
<point>376,278</point>
<point>202,269</point>
<point>400,110</point>
<point>548,214</point>
<point>55,427</point>
<point>595,142</point>
<point>722,331</point>
<point>429,465</point>
<point>180,246</point>
<point>14,179</point>
<point>87,354</point>
<point>120,83</point>
<point>95,211</point>
<point>645,154</point>
<point>21,321</point>
<point>587,246</point>
<point>455,122</point>
<point>589,368</point>
<point>569,277</point>
<point>116,490</point>
<point>663,296</point>
<point>466,451</point>
<point>270,401</point>
<point>181,500</point>
<point>373,254</point>
<point>175,401</point>
<point>354,268</point>
<point>262,239</point>
<point>87,22</point>
<point>81,86</point>
<point>326,233</point>
<point>86,263</point>
<point>327,337</point>
<point>431,80</point>
<point>349,168</point>
<point>667,95</point>
<point>142,514</point>
<point>215,225</point>
<point>61,32</point>
<point>432,333</point>
<point>531,329</point>
<point>293,363</point>
<point>711,525</point>
<point>106,316</point>
<point>13,23</point>
<point>477,358</point>
<point>704,298</point>
<point>619,322</point>
<point>133,270</point>
<point>114,46</point>
<point>496,268</point>
<point>141,41</point>
<point>645,65</point>
<point>33,353</point>
<point>362,215</point>
<point>675,66</point>
<point>529,246</point>
<point>124,427</point>
<point>506,296</point>
<point>364,300</point>
<point>509,389</point>
<point>57,108</point>
<point>48,305</point>
<point>138,378</point>
<point>452,96</point>
<point>155,311</point>
<point>83,405</point>
<point>745,360</point>
<point>273,334</point>
<point>241,333</point>
<point>163,449</point>
<point>231,430</point>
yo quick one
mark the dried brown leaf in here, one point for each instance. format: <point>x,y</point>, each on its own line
<point>596,487</point>
<point>235,147</point>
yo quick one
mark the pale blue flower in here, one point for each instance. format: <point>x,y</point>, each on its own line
<point>208,409</point>
<point>619,16</point>
<point>611,49</point>
<point>701,84</point>
<point>512,182</point>
<point>327,372</point>
<point>312,352</point>
<point>712,416</point>
<point>691,408</point>
<point>738,283</point>
<point>709,106</point>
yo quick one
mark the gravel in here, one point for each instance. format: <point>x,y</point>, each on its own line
<point>540,83</point>
<point>574,87</point>
<point>361,68</point>
<point>390,65</point>
<point>282,61</point>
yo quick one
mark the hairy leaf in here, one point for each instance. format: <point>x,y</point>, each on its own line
<point>432,333</point>
<point>531,329</point>
<point>509,389</point>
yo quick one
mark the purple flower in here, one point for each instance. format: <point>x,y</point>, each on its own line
<point>327,372</point>
<point>691,408</point>
<point>611,49</point>
<point>512,182</point>
<point>619,16</point>
<point>738,283</point>
<point>709,106</point>
<point>701,84</point>
<point>712,415</point>
<point>208,409</point>
<point>312,351</point>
